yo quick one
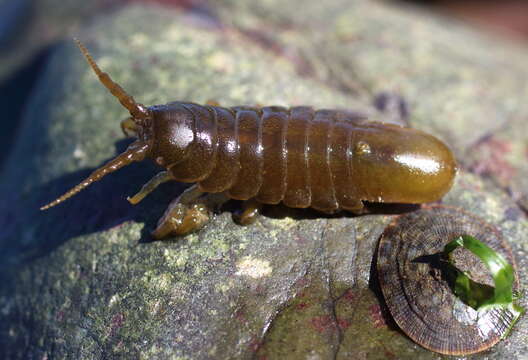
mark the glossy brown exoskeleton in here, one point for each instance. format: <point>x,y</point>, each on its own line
<point>329,160</point>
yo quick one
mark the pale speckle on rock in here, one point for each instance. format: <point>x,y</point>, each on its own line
<point>254,268</point>
<point>78,153</point>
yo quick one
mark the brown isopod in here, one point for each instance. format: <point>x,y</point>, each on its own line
<point>417,291</point>
<point>329,160</point>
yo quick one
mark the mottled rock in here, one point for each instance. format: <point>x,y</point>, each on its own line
<point>82,280</point>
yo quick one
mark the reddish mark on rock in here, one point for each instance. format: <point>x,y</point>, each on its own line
<point>343,323</point>
<point>491,159</point>
<point>302,306</point>
<point>240,315</point>
<point>301,240</point>
<point>59,316</point>
<point>377,316</point>
<point>116,323</point>
<point>499,145</point>
<point>349,296</point>
<point>323,323</point>
<point>255,344</point>
<point>300,285</point>
<point>302,282</point>
<point>301,293</point>
<point>326,322</point>
<point>390,355</point>
<point>263,39</point>
<point>470,186</point>
<point>260,290</point>
<point>120,345</point>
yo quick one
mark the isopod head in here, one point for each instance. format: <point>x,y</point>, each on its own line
<point>163,132</point>
<point>138,123</point>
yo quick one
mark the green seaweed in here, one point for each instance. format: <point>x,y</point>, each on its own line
<point>483,297</point>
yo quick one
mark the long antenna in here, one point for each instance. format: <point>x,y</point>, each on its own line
<point>136,110</point>
<point>135,152</point>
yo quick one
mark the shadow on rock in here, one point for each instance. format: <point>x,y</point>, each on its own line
<point>26,233</point>
<point>375,287</point>
<point>281,211</point>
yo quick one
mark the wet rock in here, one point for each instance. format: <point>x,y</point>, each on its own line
<point>83,280</point>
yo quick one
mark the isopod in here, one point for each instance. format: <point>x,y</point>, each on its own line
<point>330,160</point>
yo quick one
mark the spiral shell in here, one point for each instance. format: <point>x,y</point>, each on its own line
<point>419,297</point>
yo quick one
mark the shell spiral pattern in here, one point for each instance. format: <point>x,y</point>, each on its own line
<point>419,298</point>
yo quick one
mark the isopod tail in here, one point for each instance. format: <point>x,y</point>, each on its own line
<point>135,152</point>
<point>138,111</point>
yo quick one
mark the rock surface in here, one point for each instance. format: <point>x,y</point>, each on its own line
<point>82,280</point>
<point>29,26</point>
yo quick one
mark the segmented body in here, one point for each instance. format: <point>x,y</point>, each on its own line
<point>326,159</point>
<point>300,156</point>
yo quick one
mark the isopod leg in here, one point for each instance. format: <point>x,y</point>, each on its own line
<point>182,216</point>
<point>153,183</point>
<point>187,213</point>
<point>250,212</point>
<point>356,208</point>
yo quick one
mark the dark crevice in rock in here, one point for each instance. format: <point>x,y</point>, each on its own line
<point>270,324</point>
<point>340,336</point>
<point>327,271</point>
